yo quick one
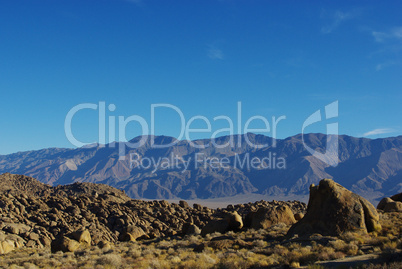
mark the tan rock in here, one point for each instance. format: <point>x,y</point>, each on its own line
<point>333,210</point>
<point>131,233</point>
<point>16,228</point>
<point>265,217</point>
<point>390,205</point>
<point>64,244</point>
<point>183,204</point>
<point>394,206</point>
<point>298,216</point>
<point>82,236</point>
<point>190,228</point>
<point>6,247</point>
<point>384,201</point>
<point>34,236</point>
<point>234,220</point>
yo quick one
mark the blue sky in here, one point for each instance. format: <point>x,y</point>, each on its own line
<point>277,58</point>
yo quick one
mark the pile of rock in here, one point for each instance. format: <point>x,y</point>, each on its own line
<point>67,218</point>
<point>257,215</point>
<point>36,215</point>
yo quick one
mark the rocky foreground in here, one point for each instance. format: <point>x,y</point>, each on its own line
<point>35,215</point>
<point>99,226</point>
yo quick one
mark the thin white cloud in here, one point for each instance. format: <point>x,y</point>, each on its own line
<point>379,131</point>
<point>215,53</point>
<point>336,19</point>
<point>381,66</point>
<point>379,36</point>
<point>393,34</point>
<point>391,45</point>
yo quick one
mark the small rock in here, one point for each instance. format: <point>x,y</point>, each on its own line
<point>298,216</point>
<point>64,244</point>
<point>82,236</point>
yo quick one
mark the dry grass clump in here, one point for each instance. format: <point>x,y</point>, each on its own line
<point>350,248</point>
<point>112,260</point>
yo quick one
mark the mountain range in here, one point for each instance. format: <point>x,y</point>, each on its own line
<point>205,169</point>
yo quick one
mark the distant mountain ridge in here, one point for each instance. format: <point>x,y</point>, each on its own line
<point>371,168</point>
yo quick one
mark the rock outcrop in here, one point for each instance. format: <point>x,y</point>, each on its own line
<point>190,228</point>
<point>392,204</point>
<point>132,233</point>
<point>67,218</point>
<point>265,217</point>
<point>231,221</point>
<point>65,244</point>
<point>333,210</point>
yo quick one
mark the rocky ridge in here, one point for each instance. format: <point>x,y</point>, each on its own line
<point>66,218</point>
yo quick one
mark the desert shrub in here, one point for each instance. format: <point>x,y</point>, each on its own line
<point>232,262</point>
<point>205,259</point>
<point>281,250</point>
<point>328,253</point>
<point>134,253</point>
<point>352,236</point>
<point>194,239</point>
<point>389,246</point>
<point>112,260</point>
<point>339,245</point>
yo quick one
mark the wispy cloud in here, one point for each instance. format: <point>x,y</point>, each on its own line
<point>379,131</point>
<point>215,53</point>
<point>335,19</point>
<point>381,66</point>
<point>379,36</point>
<point>391,45</point>
<point>393,34</point>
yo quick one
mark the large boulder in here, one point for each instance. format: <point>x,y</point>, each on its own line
<point>265,217</point>
<point>183,204</point>
<point>393,204</point>
<point>234,220</point>
<point>131,233</point>
<point>231,221</point>
<point>82,236</point>
<point>15,228</point>
<point>298,216</point>
<point>6,247</point>
<point>333,210</point>
<point>70,242</point>
<point>65,244</point>
<point>9,242</point>
<point>190,228</point>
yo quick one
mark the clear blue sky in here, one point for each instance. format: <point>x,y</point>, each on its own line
<point>276,57</point>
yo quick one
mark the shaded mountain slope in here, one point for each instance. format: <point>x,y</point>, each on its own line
<point>371,168</point>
